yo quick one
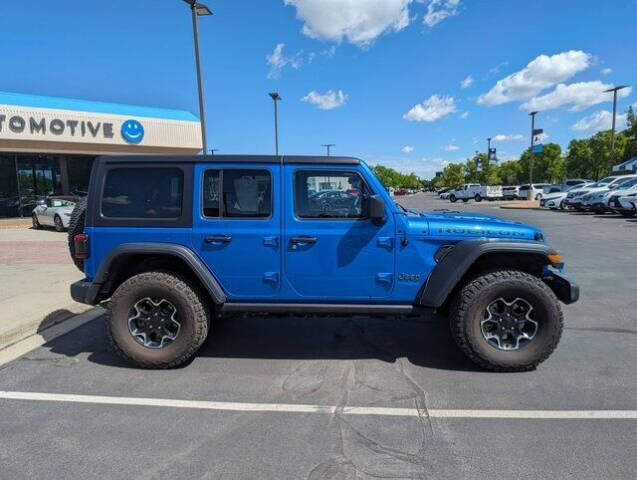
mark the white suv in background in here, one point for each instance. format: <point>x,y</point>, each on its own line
<point>537,191</point>
<point>574,197</point>
<point>596,200</point>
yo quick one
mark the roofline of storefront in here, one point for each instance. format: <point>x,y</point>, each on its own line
<point>57,103</point>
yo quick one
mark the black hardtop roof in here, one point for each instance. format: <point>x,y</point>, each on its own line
<point>272,159</point>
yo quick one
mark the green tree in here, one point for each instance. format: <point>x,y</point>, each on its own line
<point>630,133</point>
<point>471,171</point>
<point>548,166</point>
<point>509,172</point>
<point>453,175</point>
<point>579,161</point>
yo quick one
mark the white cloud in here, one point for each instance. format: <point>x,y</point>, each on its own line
<point>432,109</point>
<point>540,73</point>
<point>600,120</point>
<point>450,148</point>
<point>357,21</point>
<point>466,83</point>
<point>277,61</point>
<point>439,10</point>
<point>407,149</point>
<point>578,96</point>
<point>464,115</point>
<point>501,137</point>
<point>326,101</point>
<point>606,71</point>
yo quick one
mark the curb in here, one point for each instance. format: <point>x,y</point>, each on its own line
<point>20,341</point>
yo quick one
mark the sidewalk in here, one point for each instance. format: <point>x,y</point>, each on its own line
<point>35,274</point>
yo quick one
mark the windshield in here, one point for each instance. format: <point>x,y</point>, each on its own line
<point>604,181</point>
<point>626,183</point>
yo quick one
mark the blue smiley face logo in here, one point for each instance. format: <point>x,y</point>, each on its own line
<point>132,131</point>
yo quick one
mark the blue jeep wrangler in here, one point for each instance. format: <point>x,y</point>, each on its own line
<point>170,243</point>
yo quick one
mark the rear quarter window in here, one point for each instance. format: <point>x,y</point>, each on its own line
<point>145,193</point>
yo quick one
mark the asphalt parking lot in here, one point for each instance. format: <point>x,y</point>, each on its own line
<point>346,398</point>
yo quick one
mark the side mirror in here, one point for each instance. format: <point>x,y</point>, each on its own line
<point>377,209</point>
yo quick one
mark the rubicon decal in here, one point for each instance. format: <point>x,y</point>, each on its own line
<point>480,232</point>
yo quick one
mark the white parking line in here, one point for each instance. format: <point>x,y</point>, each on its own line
<point>300,408</point>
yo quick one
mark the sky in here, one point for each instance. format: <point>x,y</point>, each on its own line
<point>410,84</point>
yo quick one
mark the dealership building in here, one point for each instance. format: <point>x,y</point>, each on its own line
<point>48,144</point>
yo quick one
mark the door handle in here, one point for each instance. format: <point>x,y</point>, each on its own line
<point>218,239</point>
<point>302,240</point>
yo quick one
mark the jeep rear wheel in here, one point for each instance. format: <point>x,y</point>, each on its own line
<point>478,197</point>
<point>506,321</point>
<point>157,320</point>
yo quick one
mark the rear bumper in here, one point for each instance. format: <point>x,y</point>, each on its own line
<point>85,291</point>
<point>564,288</point>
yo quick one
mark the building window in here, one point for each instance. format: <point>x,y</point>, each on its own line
<point>151,193</point>
<point>9,198</point>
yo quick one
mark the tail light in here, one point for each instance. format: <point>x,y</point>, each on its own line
<point>80,243</point>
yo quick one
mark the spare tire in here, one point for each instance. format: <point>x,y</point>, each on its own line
<point>76,225</point>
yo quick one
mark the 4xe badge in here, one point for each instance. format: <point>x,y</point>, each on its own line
<point>409,277</point>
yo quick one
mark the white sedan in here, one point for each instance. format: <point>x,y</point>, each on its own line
<point>557,199</point>
<point>53,212</point>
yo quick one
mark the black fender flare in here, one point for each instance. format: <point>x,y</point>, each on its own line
<point>195,264</point>
<point>457,261</point>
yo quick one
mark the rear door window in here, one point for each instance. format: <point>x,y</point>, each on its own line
<point>145,193</point>
<point>237,193</point>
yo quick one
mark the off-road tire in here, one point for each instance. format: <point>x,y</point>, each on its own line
<point>478,197</point>
<point>76,225</point>
<point>468,309</point>
<point>193,315</point>
<point>452,198</point>
<point>36,222</point>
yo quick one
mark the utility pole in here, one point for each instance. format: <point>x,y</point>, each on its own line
<point>532,114</point>
<point>612,131</point>
<point>328,146</point>
<point>213,150</point>
<point>276,98</point>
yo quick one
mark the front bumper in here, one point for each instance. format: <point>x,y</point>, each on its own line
<point>564,288</point>
<point>85,291</point>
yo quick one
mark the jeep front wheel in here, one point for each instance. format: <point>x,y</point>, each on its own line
<point>452,198</point>
<point>157,320</point>
<point>506,321</point>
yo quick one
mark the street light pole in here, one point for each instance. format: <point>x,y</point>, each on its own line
<point>198,9</point>
<point>328,146</point>
<point>532,114</point>
<point>612,131</point>
<point>213,150</point>
<point>276,98</point>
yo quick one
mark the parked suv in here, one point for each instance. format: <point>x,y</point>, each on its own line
<point>168,244</point>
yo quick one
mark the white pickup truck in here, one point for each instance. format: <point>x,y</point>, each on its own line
<point>476,191</point>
